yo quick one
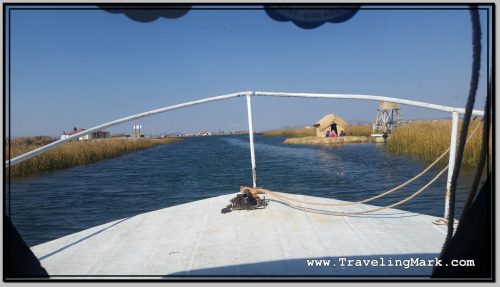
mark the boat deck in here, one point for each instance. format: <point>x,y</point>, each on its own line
<point>195,239</point>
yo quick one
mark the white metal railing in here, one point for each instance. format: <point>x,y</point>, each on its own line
<point>248,94</point>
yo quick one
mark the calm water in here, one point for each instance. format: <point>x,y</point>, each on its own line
<point>52,205</point>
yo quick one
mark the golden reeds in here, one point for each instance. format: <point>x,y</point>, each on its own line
<point>359,130</point>
<point>292,133</point>
<point>74,153</point>
<point>426,140</point>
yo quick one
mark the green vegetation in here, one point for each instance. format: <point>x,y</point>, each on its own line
<point>426,140</point>
<point>73,153</point>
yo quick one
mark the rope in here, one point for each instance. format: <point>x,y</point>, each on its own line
<point>326,212</point>
<point>474,81</point>
<point>286,200</point>
<point>484,153</point>
<point>377,196</point>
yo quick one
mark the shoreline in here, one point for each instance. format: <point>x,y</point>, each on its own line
<point>422,139</point>
<point>76,153</point>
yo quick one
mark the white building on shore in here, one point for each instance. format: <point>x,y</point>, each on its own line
<point>94,135</point>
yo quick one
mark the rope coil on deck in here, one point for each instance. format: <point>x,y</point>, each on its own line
<point>286,200</point>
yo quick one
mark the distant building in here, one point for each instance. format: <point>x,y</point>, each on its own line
<point>94,135</point>
<point>74,131</point>
<point>100,135</point>
<point>330,123</point>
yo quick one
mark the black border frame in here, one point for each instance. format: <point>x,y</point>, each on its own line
<point>8,7</point>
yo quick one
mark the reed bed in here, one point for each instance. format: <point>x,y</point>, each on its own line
<point>427,140</point>
<point>424,140</point>
<point>358,130</point>
<point>74,153</point>
<point>292,133</point>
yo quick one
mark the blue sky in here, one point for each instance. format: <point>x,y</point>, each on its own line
<point>85,67</point>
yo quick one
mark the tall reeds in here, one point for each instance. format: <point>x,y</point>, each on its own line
<point>292,133</point>
<point>426,140</point>
<point>74,153</point>
<point>358,130</point>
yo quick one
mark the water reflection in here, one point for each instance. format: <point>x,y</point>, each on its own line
<point>55,204</point>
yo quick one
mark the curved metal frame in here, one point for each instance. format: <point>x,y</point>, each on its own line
<point>248,94</point>
<point>45,148</point>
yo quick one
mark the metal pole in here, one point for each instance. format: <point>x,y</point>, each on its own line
<point>368,97</point>
<point>250,134</point>
<point>451,163</point>
<point>45,148</point>
<point>52,145</point>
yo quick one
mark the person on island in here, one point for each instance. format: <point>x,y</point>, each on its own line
<point>342,134</point>
<point>333,134</point>
<point>327,135</point>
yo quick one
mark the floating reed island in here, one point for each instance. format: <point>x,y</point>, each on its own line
<point>423,140</point>
<point>74,153</point>
<point>327,141</point>
<point>355,134</point>
<point>358,131</point>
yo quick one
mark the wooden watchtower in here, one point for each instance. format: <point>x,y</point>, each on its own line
<point>388,118</point>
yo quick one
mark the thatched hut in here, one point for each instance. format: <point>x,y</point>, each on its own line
<point>330,123</point>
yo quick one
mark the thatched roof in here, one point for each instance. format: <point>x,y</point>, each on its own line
<point>328,120</point>
<point>388,105</point>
